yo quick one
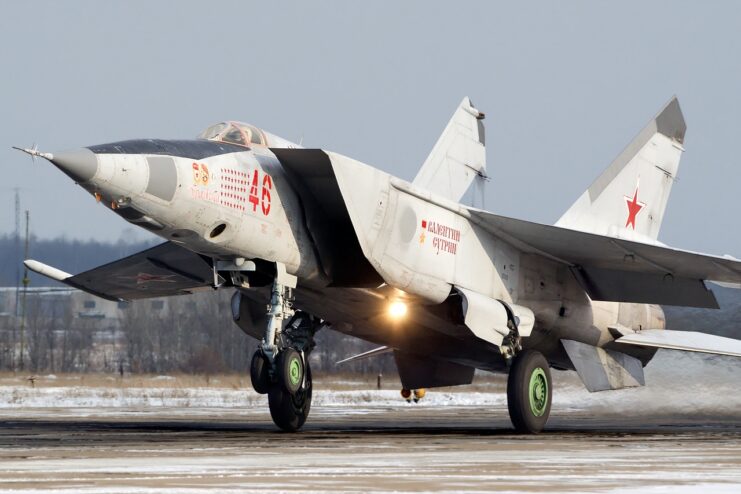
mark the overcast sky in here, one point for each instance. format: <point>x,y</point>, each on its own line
<point>565,86</point>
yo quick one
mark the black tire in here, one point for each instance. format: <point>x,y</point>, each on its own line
<point>528,402</point>
<point>290,411</point>
<point>260,373</point>
<point>290,369</point>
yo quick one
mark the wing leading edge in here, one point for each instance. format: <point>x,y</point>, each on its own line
<point>619,270</point>
<point>161,271</point>
<point>688,341</point>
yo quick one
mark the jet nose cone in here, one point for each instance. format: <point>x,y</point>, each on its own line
<point>79,164</point>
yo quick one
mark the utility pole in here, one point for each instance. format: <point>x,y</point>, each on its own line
<point>17,247</point>
<point>17,262</point>
<point>26,282</point>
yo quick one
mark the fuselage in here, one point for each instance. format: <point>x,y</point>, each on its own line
<point>228,201</point>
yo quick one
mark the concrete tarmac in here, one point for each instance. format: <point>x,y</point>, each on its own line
<point>354,449</point>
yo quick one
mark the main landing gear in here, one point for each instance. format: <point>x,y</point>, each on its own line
<point>529,391</point>
<point>280,366</point>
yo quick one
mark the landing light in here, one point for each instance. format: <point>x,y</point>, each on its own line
<point>397,309</point>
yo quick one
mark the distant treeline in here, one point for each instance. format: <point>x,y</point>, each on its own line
<point>192,334</point>
<point>73,256</point>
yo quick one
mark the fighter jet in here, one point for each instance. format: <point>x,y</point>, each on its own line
<point>323,240</point>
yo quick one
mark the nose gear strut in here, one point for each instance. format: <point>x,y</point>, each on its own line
<point>280,366</point>
<point>280,308</point>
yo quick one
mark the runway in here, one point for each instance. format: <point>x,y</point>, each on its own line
<point>162,434</point>
<point>352,449</point>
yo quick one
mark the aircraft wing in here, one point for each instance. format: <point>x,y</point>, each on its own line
<point>608,268</point>
<point>614,269</point>
<point>688,341</point>
<point>161,271</point>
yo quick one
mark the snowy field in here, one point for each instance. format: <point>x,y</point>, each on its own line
<point>677,383</point>
<point>162,434</point>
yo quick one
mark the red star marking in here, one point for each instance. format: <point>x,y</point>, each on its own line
<point>143,278</point>
<point>634,207</point>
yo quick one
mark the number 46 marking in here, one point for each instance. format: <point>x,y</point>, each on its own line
<point>264,199</point>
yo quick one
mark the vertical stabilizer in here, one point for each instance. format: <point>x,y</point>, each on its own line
<point>629,199</point>
<point>458,156</point>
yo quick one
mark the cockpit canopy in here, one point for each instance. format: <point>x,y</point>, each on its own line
<point>232,132</point>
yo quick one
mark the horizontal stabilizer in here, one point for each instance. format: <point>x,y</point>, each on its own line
<point>688,341</point>
<point>370,353</point>
<point>602,370</point>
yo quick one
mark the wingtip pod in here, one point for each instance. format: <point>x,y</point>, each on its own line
<point>670,121</point>
<point>46,270</point>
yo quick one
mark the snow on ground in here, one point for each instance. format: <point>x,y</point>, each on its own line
<point>86,397</point>
<point>677,383</point>
<point>184,435</point>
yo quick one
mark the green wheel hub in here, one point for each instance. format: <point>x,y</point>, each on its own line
<point>294,371</point>
<point>538,392</point>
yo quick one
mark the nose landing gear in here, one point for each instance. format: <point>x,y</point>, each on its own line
<point>280,366</point>
<point>288,410</point>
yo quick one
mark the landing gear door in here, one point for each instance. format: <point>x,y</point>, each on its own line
<point>486,317</point>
